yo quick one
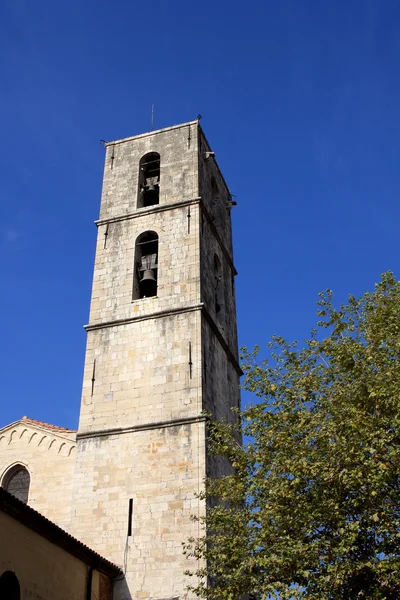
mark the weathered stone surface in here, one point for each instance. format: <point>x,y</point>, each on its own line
<point>152,366</point>
<point>49,457</point>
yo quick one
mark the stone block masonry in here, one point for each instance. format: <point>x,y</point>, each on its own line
<point>127,483</point>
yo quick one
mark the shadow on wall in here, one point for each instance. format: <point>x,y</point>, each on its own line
<point>121,590</point>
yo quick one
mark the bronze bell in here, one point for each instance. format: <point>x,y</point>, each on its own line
<point>148,284</point>
<point>151,191</point>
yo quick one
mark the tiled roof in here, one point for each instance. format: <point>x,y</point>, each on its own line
<point>29,517</point>
<point>47,425</point>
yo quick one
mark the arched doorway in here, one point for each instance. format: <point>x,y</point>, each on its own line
<point>9,586</point>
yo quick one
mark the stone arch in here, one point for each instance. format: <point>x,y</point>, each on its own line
<point>32,436</point>
<point>145,276</point>
<point>44,437</point>
<point>149,180</point>
<point>51,443</point>
<point>13,435</point>
<point>71,450</point>
<point>23,433</point>
<point>61,447</point>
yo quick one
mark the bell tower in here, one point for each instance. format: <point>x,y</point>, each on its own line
<point>161,349</point>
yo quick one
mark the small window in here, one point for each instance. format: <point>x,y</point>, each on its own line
<point>146,266</point>
<point>16,481</point>
<point>149,180</point>
<point>9,586</point>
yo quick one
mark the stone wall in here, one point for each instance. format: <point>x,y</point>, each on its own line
<point>152,365</point>
<point>177,147</point>
<point>49,458</point>
<point>178,268</point>
<point>214,193</point>
<point>142,372</point>
<point>162,471</point>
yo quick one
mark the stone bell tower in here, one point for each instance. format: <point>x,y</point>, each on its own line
<point>161,348</point>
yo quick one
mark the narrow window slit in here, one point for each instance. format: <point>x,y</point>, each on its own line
<point>190,360</point>
<point>106,235</point>
<point>112,157</point>
<point>130,517</point>
<point>93,376</point>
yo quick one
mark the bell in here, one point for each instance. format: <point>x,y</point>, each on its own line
<point>150,196</point>
<point>151,191</point>
<point>148,284</point>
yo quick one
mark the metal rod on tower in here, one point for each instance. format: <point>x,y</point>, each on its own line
<point>152,116</point>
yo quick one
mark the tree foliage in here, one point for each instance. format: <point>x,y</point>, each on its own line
<point>311,508</point>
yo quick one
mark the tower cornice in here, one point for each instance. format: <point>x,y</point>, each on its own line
<point>167,313</point>
<point>171,206</point>
<point>143,427</point>
<point>151,133</point>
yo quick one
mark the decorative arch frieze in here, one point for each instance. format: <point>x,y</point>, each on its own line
<point>13,435</point>
<point>48,441</point>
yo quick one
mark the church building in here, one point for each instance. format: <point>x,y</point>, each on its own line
<point>161,350</point>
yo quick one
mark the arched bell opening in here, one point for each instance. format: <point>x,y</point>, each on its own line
<point>146,266</point>
<point>149,180</point>
<point>16,481</point>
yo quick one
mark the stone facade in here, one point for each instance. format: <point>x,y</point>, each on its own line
<point>48,453</point>
<point>154,364</point>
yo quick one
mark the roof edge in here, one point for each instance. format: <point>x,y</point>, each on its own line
<point>40,424</point>
<point>38,523</point>
<point>149,133</point>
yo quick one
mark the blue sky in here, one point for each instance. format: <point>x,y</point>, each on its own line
<point>308,91</point>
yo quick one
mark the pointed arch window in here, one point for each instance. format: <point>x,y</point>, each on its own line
<point>149,180</point>
<point>146,266</point>
<point>16,481</point>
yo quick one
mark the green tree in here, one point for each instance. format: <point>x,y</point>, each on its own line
<point>312,506</point>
